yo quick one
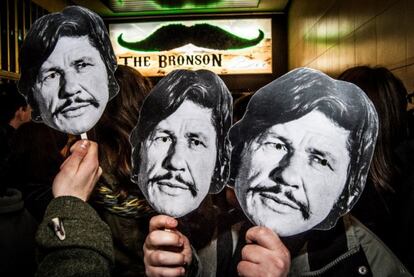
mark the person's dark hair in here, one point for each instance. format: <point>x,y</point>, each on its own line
<point>10,102</point>
<point>73,21</point>
<point>296,94</point>
<point>114,127</point>
<point>202,87</point>
<point>240,106</point>
<point>389,96</point>
<point>34,163</point>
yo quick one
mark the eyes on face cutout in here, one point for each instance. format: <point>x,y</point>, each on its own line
<point>293,173</point>
<point>277,144</point>
<point>50,77</point>
<point>320,161</point>
<point>163,139</point>
<point>193,140</point>
<point>316,158</point>
<point>178,159</point>
<point>54,75</point>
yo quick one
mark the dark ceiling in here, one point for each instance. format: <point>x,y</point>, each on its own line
<point>145,8</point>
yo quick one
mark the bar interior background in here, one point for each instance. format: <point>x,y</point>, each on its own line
<point>329,35</point>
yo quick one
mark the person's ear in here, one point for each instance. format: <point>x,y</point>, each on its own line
<point>25,113</point>
<point>34,107</point>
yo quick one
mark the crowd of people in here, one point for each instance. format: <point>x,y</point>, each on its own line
<point>309,176</point>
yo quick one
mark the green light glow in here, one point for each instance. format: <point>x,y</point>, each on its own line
<point>204,35</point>
<point>176,7</point>
<point>187,4</point>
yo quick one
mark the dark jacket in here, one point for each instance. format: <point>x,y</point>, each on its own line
<point>404,215</point>
<point>349,249</point>
<point>6,136</point>
<point>86,248</point>
<point>128,218</point>
<point>34,162</point>
<point>128,235</point>
<point>17,236</point>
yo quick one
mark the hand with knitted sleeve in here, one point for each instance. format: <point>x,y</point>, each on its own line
<point>72,240</point>
<point>79,172</point>
<point>86,249</point>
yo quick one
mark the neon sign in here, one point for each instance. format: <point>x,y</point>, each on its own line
<point>228,46</point>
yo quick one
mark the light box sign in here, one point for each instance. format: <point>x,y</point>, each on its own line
<point>224,46</point>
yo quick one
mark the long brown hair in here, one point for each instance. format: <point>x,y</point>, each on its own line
<point>113,129</point>
<point>388,94</point>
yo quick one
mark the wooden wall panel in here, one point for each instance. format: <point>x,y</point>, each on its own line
<point>372,32</point>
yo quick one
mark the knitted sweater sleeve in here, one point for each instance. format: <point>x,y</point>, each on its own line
<point>85,245</point>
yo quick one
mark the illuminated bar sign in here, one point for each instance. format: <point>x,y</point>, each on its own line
<point>225,46</point>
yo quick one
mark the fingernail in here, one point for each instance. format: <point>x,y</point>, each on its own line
<point>84,144</point>
<point>182,271</point>
<point>171,221</point>
<point>180,242</point>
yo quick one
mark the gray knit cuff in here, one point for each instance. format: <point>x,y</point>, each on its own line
<point>82,228</point>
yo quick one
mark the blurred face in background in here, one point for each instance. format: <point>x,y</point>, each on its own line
<point>25,114</point>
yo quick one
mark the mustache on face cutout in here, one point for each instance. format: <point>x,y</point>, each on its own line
<point>169,176</point>
<point>202,35</point>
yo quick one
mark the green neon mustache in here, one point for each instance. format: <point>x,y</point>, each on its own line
<point>202,35</point>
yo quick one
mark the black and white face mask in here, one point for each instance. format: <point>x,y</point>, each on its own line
<point>75,69</point>
<point>180,151</point>
<point>302,151</point>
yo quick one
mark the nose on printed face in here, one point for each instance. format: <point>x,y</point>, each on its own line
<point>175,159</point>
<point>70,85</point>
<point>288,172</point>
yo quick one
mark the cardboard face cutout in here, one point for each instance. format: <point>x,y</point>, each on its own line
<point>67,66</point>
<point>180,150</point>
<point>302,151</point>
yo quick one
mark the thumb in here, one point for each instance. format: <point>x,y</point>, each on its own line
<point>161,222</point>
<point>79,151</point>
